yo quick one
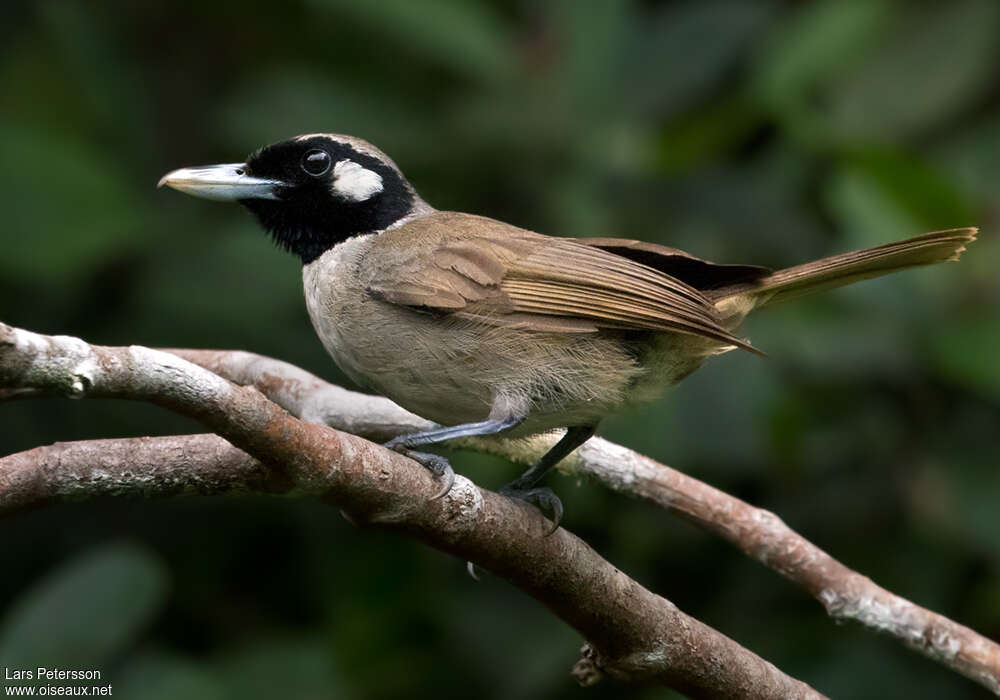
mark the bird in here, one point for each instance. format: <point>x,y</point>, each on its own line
<point>488,328</point>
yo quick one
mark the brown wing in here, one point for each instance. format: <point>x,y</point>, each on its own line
<point>473,267</point>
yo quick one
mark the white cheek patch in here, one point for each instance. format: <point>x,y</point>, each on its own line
<point>354,182</point>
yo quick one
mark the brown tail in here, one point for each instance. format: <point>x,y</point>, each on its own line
<point>846,268</point>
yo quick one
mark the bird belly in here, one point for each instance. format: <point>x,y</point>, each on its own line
<point>454,371</point>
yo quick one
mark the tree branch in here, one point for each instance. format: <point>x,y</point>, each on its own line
<point>844,593</point>
<point>632,633</point>
<point>146,467</point>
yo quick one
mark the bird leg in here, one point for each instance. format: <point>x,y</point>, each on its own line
<point>437,465</point>
<point>524,487</point>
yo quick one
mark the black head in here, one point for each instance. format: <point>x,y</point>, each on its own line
<point>310,192</point>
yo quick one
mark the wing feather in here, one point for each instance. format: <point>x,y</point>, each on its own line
<point>477,268</point>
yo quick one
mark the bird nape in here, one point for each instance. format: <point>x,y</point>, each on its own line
<point>487,328</point>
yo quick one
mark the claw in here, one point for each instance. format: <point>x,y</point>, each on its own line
<point>544,498</point>
<point>435,464</point>
<point>471,569</point>
<point>448,475</point>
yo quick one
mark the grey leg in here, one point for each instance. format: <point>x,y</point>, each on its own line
<point>439,466</point>
<point>524,486</point>
<point>490,426</point>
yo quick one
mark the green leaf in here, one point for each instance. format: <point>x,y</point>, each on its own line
<point>863,208</point>
<point>470,38</point>
<point>815,45</point>
<point>880,194</point>
<point>84,613</point>
<point>686,50</point>
<point>937,61</point>
<point>847,70</point>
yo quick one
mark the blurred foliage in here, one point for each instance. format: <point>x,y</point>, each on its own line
<point>747,131</point>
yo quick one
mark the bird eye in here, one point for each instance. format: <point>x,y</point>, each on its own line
<point>316,162</point>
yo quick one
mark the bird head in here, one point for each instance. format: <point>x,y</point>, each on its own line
<point>310,192</point>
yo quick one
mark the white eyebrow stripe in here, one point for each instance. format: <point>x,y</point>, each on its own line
<point>354,182</point>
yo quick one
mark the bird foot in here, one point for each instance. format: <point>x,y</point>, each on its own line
<point>435,464</point>
<point>544,498</point>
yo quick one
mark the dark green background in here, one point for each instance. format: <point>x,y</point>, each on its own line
<point>757,132</point>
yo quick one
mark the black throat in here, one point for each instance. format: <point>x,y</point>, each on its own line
<point>308,231</point>
<point>308,218</point>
